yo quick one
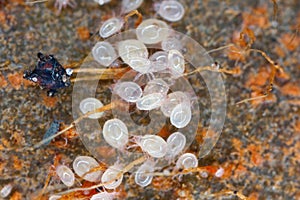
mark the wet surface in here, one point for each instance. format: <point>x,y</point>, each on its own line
<point>259,148</point>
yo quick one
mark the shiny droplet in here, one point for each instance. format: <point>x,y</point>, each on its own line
<point>115,133</point>
<point>83,164</point>
<point>104,53</point>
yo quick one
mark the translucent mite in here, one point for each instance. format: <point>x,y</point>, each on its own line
<point>83,164</point>
<point>176,62</point>
<point>90,104</point>
<point>128,91</point>
<point>152,31</point>
<point>172,100</point>
<point>131,49</point>
<point>187,161</point>
<point>175,144</point>
<point>66,175</point>
<point>110,27</point>
<point>102,2</point>
<point>110,177</point>
<point>181,115</point>
<point>60,4</point>
<point>150,101</point>
<point>156,86</point>
<point>103,196</point>
<point>154,145</point>
<point>6,190</point>
<point>115,133</point>
<point>171,10</point>
<point>130,5</point>
<point>143,176</point>
<point>104,53</point>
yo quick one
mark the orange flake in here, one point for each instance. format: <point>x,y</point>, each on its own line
<point>279,51</point>
<point>49,102</point>
<point>258,79</point>
<point>258,17</point>
<point>297,126</point>
<point>17,163</point>
<point>290,41</point>
<point>291,89</point>
<point>16,196</point>
<point>3,82</point>
<point>253,196</point>
<point>28,83</point>
<point>2,17</point>
<point>16,80</point>
<point>83,33</point>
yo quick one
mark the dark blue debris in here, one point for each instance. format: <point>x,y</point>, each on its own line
<point>53,129</point>
<point>49,74</point>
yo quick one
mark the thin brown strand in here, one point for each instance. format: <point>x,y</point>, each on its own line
<point>132,13</point>
<point>275,10</point>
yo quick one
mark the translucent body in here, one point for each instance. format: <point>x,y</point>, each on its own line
<point>176,142</point>
<point>159,61</point>
<point>103,196</point>
<point>187,161</point>
<point>110,27</point>
<point>220,172</point>
<point>141,177</point>
<point>181,115</point>
<point>54,197</point>
<point>152,31</point>
<point>109,177</point>
<point>115,133</point>
<point>150,101</point>
<point>171,10</point>
<point>129,91</point>
<point>6,190</point>
<point>154,145</point>
<point>102,2</point>
<point>176,62</point>
<point>173,99</point>
<point>83,164</point>
<point>66,175</point>
<point>140,64</point>
<point>130,5</point>
<point>156,86</point>
<point>171,43</point>
<point>129,49</point>
<point>90,104</point>
<point>104,53</point>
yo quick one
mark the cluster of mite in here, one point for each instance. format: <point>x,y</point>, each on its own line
<point>155,94</point>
